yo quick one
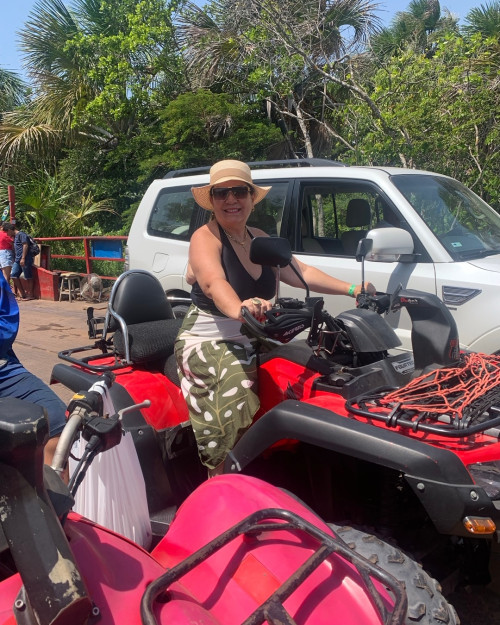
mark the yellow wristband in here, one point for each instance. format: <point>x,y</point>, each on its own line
<point>351,290</point>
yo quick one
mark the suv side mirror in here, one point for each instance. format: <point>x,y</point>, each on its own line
<point>390,245</point>
<point>364,247</point>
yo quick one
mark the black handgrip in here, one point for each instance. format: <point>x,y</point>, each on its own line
<point>379,303</point>
<point>281,324</point>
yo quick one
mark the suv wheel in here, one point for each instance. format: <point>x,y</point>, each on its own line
<point>180,311</point>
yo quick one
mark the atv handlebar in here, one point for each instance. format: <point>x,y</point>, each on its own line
<point>281,324</point>
<point>292,316</point>
<point>379,303</point>
<point>101,432</point>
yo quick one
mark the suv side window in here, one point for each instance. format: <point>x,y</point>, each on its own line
<point>335,216</point>
<point>268,214</point>
<point>173,214</point>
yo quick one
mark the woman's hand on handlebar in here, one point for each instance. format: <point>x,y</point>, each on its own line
<point>369,288</point>
<point>257,307</point>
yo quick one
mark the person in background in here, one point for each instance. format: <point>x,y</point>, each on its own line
<point>23,264</point>
<point>7,233</point>
<point>18,382</point>
<point>216,360</point>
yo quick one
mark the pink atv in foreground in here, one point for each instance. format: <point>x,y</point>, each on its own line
<point>238,551</point>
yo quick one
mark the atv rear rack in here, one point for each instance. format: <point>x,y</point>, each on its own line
<point>272,611</point>
<point>428,422</point>
<point>85,362</point>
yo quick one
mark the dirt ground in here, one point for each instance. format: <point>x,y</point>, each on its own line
<point>45,329</point>
<point>49,327</point>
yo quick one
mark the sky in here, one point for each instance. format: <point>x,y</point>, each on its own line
<point>15,14</point>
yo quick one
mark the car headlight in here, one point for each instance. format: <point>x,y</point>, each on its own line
<point>487,475</point>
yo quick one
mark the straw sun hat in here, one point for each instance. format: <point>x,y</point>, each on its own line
<point>222,172</point>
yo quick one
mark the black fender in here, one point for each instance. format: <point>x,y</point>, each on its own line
<point>437,476</point>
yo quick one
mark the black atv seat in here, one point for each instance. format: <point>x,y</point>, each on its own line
<point>141,318</point>
<point>148,341</point>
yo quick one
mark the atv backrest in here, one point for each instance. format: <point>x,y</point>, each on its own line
<point>141,317</point>
<point>137,297</point>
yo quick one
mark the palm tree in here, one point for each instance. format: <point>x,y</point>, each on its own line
<point>221,39</point>
<point>92,66</point>
<point>13,90</point>
<point>46,207</point>
<point>484,20</point>
<point>45,124</point>
<point>417,27</point>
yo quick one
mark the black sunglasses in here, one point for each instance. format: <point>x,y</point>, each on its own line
<point>221,193</point>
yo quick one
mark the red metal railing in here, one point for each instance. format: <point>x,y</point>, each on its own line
<point>87,251</point>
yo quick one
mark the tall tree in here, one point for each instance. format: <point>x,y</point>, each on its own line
<point>284,52</point>
<point>448,106</point>
<point>102,70</point>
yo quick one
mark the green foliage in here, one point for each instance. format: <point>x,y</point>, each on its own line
<point>203,127</point>
<point>125,50</point>
<point>13,91</point>
<point>46,208</point>
<point>125,90</point>
<point>105,176</point>
<point>282,53</point>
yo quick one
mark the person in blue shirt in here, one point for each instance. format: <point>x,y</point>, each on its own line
<point>23,264</point>
<point>16,381</point>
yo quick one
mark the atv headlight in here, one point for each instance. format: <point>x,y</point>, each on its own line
<point>487,475</point>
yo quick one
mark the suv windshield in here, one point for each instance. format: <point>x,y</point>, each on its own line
<point>466,226</point>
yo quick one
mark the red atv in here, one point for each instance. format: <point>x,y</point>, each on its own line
<point>403,444</point>
<point>238,551</point>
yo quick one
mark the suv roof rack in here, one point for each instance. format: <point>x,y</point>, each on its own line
<point>294,162</point>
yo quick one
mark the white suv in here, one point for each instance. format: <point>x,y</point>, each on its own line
<point>324,208</point>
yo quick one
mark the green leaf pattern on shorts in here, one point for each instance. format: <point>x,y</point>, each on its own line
<point>219,383</point>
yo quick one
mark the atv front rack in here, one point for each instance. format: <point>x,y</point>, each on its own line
<point>454,401</point>
<point>441,425</point>
<point>272,611</point>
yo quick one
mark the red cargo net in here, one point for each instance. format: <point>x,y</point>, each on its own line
<point>463,392</point>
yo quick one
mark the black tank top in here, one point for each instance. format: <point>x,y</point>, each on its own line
<point>238,277</point>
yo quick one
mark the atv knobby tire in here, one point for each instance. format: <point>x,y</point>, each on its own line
<point>426,604</point>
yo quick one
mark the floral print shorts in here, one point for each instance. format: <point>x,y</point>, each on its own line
<point>218,373</point>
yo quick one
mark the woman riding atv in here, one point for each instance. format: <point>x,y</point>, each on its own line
<point>216,360</point>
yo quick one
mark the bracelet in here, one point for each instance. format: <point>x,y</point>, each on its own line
<point>351,290</point>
